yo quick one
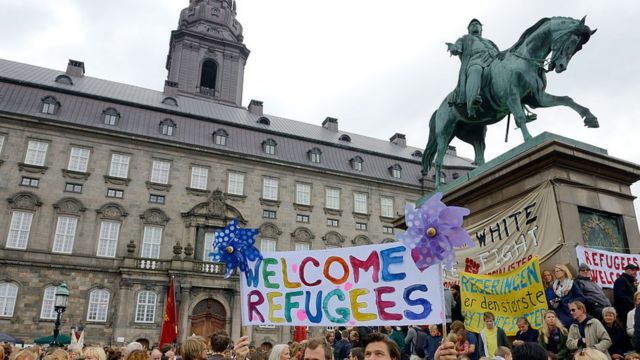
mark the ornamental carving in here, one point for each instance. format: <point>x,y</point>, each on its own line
<point>302,234</point>
<point>270,230</point>
<point>154,217</point>
<point>388,240</point>
<point>111,211</point>
<point>213,212</point>
<point>333,238</point>
<point>217,205</point>
<point>69,206</point>
<point>361,240</point>
<point>24,201</point>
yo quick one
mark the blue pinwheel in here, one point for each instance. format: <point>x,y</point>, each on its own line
<point>434,230</point>
<point>234,247</point>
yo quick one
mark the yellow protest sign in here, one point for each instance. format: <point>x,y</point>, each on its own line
<point>508,296</point>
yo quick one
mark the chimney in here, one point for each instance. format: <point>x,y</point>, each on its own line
<point>75,68</point>
<point>330,124</point>
<point>399,139</point>
<point>170,88</point>
<point>255,107</point>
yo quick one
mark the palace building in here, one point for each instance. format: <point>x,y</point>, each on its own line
<point>114,189</point>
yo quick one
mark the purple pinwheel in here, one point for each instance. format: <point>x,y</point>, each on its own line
<point>433,231</point>
<point>234,247</point>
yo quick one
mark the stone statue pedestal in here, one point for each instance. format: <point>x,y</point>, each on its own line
<point>591,191</point>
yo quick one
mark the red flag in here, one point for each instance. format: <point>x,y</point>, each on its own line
<point>169,334</point>
<point>299,333</point>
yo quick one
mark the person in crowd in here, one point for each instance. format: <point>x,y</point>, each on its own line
<point>194,348</point>
<point>394,333</point>
<point>620,343</point>
<point>363,332</point>
<point>590,354</point>
<point>219,342</point>
<point>356,354</point>
<point>342,347</point>
<point>491,337</point>
<point>74,351</point>
<point>632,356</point>
<point>449,304</point>
<point>446,351</point>
<point>547,279</point>
<point>456,311</point>
<point>462,343</point>
<point>503,353</point>
<point>241,348</point>
<point>354,338</point>
<point>156,354</point>
<point>143,355</point>
<point>586,332</point>
<point>416,339</point>
<point>594,297</point>
<point>632,314</point>
<point>565,291</point>
<point>330,338</point>
<point>294,350</point>
<point>433,341</point>
<point>94,353</point>
<point>553,336</point>
<point>529,351</point>
<point>280,352</point>
<point>25,354</point>
<point>378,346</point>
<point>169,352</point>
<point>525,332</point>
<point>8,349</point>
<point>317,349</point>
<point>623,290</point>
<point>457,326</point>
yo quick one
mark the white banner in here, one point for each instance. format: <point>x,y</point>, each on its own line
<point>362,285</point>
<point>606,266</point>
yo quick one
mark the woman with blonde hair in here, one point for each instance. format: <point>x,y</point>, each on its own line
<point>194,348</point>
<point>280,352</point>
<point>94,353</point>
<point>547,281</point>
<point>553,335</point>
<point>565,291</point>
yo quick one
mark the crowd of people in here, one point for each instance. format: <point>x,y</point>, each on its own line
<point>581,324</point>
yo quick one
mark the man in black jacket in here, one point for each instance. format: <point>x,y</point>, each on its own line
<point>623,289</point>
<point>594,297</point>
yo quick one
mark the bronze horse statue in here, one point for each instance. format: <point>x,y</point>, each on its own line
<point>514,79</point>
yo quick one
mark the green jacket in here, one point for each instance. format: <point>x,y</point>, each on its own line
<point>398,338</point>
<point>563,352</point>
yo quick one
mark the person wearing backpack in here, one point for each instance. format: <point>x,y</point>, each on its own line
<point>417,339</point>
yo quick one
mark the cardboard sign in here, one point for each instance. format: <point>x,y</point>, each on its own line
<point>363,285</point>
<point>606,266</point>
<point>508,296</point>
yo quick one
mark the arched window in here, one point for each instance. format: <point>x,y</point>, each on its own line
<point>146,307</point>
<point>98,305</point>
<point>170,101</point>
<point>315,155</point>
<point>8,295</point>
<point>220,137</point>
<point>264,120</point>
<point>64,79</point>
<point>269,146</point>
<point>50,105</point>
<point>48,301</point>
<point>396,171</point>
<point>417,153</point>
<point>167,127</point>
<point>345,138</point>
<point>208,77</point>
<point>356,163</point>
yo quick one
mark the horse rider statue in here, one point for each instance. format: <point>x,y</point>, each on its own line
<point>476,54</point>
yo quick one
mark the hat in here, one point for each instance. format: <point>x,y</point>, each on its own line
<point>584,266</point>
<point>474,21</point>
<point>632,267</point>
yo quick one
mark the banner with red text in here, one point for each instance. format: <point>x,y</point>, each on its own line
<point>606,266</point>
<point>509,234</point>
<point>362,285</point>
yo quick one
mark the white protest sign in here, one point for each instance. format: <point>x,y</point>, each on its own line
<point>362,285</point>
<point>606,266</point>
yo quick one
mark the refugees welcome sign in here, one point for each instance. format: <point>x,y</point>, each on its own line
<point>362,285</point>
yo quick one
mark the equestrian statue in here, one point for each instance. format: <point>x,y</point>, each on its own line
<point>493,84</point>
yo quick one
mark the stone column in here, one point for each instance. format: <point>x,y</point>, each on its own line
<point>236,319</point>
<point>123,316</point>
<point>185,303</point>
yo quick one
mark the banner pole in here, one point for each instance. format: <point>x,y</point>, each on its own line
<point>444,303</point>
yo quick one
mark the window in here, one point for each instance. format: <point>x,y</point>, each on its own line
<point>417,154</point>
<point>315,155</point>
<point>386,207</point>
<point>167,127</point>
<point>146,307</point>
<point>264,120</point>
<point>36,153</point>
<point>332,222</point>
<point>48,302</point>
<point>220,137</point>
<point>170,101</point>
<point>269,214</point>
<point>115,193</point>
<point>199,176</point>
<point>332,198</point>
<point>267,245</point>
<point>8,294</point>
<point>208,246</point>
<point>356,163</point>
<point>19,230</point>
<point>64,79</point>
<point>156,199</point>
<point>387,229</point>
<point>78,159</point>
<point>361,226</point>
<point>50,105</point>
<point>303,194</point>
<point>208,77</point>
<point>108,240</point>
<point>119,166</point>
<point>270,189</point>
<point>360,203</point>
<point>29,181</point>
<point>235,184</point>
<point>160,172</point>
<point>345,138</point>
<point>98,305</point>
<point>65,234</point>
<point>269,146</point>
<point>71,187</point>
<point>111,116</point>
<point>396,171</point>
<point>302,246</point>
<point>302,218</point>
<point>151,242</point>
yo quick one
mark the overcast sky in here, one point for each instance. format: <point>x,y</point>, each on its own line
<point>380,67</point>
